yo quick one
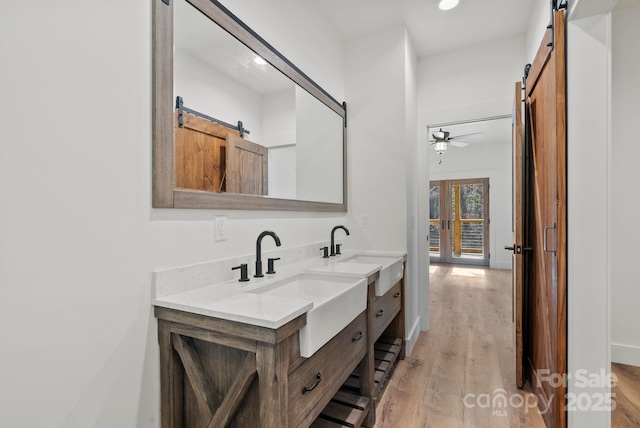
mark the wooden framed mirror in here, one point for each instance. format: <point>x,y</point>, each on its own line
<point>229,133</point>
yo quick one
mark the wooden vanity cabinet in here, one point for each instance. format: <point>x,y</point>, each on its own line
<point>218,373</point>
<point>385,309</point>
<point>314,383</point>
<point>386,345</point>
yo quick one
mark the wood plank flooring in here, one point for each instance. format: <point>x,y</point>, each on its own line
<point>462,369</point>
<point>627,396</point>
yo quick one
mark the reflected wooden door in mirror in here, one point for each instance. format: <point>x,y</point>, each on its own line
<point>199,153</point>
<point>296,156</point>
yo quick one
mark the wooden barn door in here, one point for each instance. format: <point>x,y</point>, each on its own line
<point>199,153</point>
<point>546,227</point>
<point>246,166</point>
<point>517,226</point>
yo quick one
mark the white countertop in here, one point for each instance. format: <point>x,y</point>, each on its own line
<point>230,300</point>
<point>256,309</point>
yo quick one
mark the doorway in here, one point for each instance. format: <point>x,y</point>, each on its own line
<point>459,221</point>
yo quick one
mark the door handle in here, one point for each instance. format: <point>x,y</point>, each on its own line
<point>517,249</point>
<point>544,239</point>
<point>449,224</point>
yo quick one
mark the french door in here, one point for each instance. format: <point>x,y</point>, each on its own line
<point>459,221</point>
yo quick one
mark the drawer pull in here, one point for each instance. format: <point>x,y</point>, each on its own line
<point>358,337</point>
<point>395,296</point>
<point>379,313</point>
<point>312,387</point>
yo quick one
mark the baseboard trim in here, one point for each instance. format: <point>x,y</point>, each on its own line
<point>412,337</point>
<point>625,354</point>
<point>500,265</point>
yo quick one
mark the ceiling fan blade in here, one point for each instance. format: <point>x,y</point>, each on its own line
<point>458,143</point>
<point>473,134</point>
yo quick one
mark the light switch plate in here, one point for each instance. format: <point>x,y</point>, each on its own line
<point>220,233</point>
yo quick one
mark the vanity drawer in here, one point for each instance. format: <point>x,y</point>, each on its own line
<point>386,307</point>
<point>314,382</point>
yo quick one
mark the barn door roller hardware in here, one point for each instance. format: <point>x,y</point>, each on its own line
<point>181,109</point>
<point>555,6</point>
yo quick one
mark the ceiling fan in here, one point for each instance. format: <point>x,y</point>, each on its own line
<point>442,139</point>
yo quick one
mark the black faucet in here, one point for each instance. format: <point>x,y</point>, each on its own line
<point>275,237</point>
<point>333,245</point>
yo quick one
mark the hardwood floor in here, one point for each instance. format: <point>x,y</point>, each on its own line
<point>461,372</point>
<point>627,396</point>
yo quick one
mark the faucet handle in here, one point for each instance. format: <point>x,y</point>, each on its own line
<point>325,251</point>
<point>244,274</point>
<point>338,249</point>
<point>270,268</point>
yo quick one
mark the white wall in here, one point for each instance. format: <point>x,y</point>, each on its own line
<point>539,19</point>
<point>78,237</point>
<point>625,205</point>
<point>416,281</point>
<point>491,161</point>
<point>319,148</point>
<point>278,119</point>
<point>380,81</point>
<point>375,80</point>
<point>470,83</point>
<point>588,84</point>
<point>279,130</point>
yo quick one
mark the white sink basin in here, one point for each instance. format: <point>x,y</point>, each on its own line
<point>390,273</point>
<point>337,300</point>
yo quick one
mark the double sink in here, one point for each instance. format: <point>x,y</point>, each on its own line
<point>337,290</point>
<point>332,292</point>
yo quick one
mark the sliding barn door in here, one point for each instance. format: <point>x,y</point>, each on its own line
<point>517,225</point>
<point>546,228</point>
<point>199,153</point>
<point>246,166</point>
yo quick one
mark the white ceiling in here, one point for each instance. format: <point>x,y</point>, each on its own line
<point>430,29</point>
<point>195,34</point>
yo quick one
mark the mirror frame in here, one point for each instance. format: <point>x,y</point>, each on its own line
<point>165,195</point>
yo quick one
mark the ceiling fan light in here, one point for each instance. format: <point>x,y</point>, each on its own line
<point>440,146</point>
<point>447,4</point>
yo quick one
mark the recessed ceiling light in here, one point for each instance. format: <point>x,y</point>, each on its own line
<point>447,4</point>
<point>258,60</point>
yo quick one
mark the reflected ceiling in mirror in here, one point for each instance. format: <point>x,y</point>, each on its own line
<point>251,131</point>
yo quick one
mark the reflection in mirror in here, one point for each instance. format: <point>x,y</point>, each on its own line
<point>243,126</point>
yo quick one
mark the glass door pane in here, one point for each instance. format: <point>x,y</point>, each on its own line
<point>468,218</point>
<point>458,221</point>
<point>434,220</point>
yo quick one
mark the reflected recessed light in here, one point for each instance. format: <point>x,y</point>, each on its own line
<point>447,4</point>
<point>258,60</point>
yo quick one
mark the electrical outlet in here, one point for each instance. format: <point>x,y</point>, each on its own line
<point>220,233</point>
